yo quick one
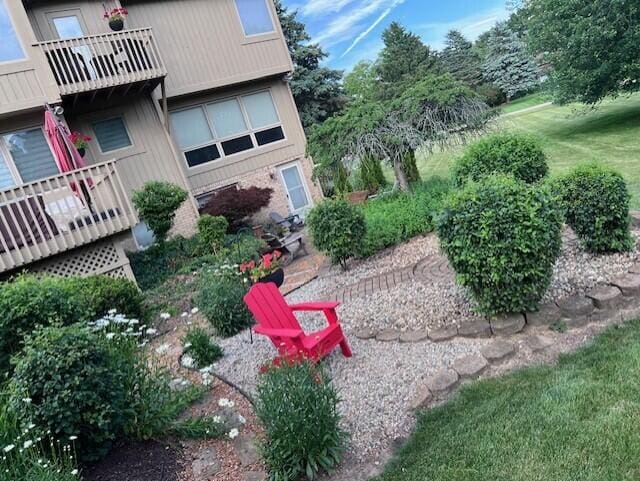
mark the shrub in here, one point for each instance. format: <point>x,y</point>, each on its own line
<point>491,94</point>
<point>100,294</point>
<point>74,379</point>
<point>211,231</point>
<point>29,301</point>
<point>198,345</point>
<point>368,175</point>
<point>219,297</point>
<point>157,203</point>
<point>236,205</point>
<point>298,407</point>
<point>596,206</point>
<point>410,167</point>
<point>394,218</point>
<point>507,153</point>
<point>337,229</point>
<point>502,238</point>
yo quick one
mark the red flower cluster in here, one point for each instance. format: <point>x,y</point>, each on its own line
<point>79,139</point>
<point>285,360</point>
<point>268,264</point>
<point>116,13</point>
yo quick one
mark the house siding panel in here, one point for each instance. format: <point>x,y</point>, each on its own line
<point>203,44</point>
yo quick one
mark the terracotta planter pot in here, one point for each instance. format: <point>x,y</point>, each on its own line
<point>277,277</point>
<point>116,25</point>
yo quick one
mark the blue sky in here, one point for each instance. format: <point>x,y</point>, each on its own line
<point>350,29</point>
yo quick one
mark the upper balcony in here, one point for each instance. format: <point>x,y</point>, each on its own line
<point>105,62</point>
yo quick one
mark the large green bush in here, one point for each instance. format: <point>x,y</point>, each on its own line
<point>337,229</point>
<point>157,203</point>
<point>399,216</point>
<point>298,408</point>
<point>219,297</point>
<point>502,237</point>
<point>596,206</point>
<point>506,153</point>
<point>29,301</point>
<point>72,380</point>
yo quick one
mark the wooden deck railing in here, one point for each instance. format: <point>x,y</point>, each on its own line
<point>59,213</point>
<point>102,61</point>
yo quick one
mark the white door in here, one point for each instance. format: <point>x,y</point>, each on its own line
<point>297,193</point>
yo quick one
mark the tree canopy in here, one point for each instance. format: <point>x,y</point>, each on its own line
<point>317,90</point>
<point>592,46</point>
<point>509,65</point>
<point>461,59</point>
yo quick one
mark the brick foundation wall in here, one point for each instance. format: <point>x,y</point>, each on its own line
<point>185,221</point>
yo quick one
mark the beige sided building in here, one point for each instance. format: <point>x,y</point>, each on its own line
<point>193,92</point>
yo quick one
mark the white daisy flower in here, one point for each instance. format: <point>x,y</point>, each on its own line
<point>233,433</point>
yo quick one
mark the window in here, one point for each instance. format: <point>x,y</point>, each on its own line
<point>255,17</point>
<point>6,179</point>
<point>207,132</point>
<point>68,27</point>
<point>31,154</point>
<point>10,48</point>
<point>260,109</point>
<point>111,134</point>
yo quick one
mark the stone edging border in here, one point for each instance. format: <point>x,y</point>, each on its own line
<point>600,303</point>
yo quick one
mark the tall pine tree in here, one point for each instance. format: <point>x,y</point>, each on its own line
<point>403,60</point>
<point>317,90</point>
<point>508,65</point>
<point>461,59</point>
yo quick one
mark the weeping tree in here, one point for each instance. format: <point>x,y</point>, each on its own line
<point>437,111</point>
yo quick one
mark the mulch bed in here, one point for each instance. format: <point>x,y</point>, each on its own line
<point>146,461</point>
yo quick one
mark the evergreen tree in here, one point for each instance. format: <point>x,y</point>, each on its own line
<point>362,82</point>
<point>403,60</point>
<point>508,65</point>
<point>461,60</point>
<point>317,90</point>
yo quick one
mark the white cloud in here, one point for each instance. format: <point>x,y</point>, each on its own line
<point>471,26</point>
<point>370,28</point>
<point>323,7</point>
<point>349,24</point>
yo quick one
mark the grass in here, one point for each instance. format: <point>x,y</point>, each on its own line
<point>574,421</point>
<point>525,102</point>
<point>571,135</point>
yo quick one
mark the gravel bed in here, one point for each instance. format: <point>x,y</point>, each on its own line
<point>375,413</point>
<point>377,384</point>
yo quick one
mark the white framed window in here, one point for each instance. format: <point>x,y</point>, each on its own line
<point>28,152</point>
<point>255,17</point>
<point>210,131</point>
<point>6,177</point>
<point>111,134</point>
<point>10,46</point>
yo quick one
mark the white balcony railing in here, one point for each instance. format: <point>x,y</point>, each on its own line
<point>104,61</point>
<point>59,213</point>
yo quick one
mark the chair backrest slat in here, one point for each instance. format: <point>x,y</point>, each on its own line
<point>270,309</point>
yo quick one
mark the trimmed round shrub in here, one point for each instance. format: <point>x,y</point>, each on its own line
<point>157,203</point>
<point>69,380</point>
<point>596,206</point>
<point>502,238</point>
<point>337,229</point>
<point>211,231</point>
<point>502,153</point>
<point>220,299</point>
<point>298,408</point>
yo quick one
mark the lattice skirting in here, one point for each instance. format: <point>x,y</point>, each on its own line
<point>106,257</point>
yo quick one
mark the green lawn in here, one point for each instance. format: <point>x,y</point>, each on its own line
<point>569,135</point>
<point>525,102</point>
<point>577,421</point>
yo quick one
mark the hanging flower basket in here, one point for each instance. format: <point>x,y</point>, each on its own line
<point>80,141</point>
<point>116,18</point>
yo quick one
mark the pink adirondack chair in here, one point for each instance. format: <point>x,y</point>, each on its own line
<point>276,320</point>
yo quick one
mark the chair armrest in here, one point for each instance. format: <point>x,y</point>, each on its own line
<point>267,331</point>
<point>314,306</point>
